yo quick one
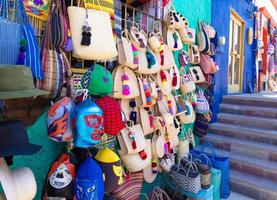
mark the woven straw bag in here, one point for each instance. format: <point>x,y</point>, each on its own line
<point>133,162</point>
<point>174,40</point>
<point>183,179</point>
<point>120,74</point>
<point>187,84</point>
<point>194,54</point>
<point>187,35</point>
<point>154,41</point>
<point>169,60</point>
<point>147,119</point>
<point>197,74</point>
<point>163,105</point>
<point>125,52</point>
<point>102,46</point>
<point>145,90</point>
<point>131,135</point>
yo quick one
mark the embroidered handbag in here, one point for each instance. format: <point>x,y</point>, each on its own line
<point>186,176</point>
<point>187,35</point>
<point>125,51</point>
<point>187,83</point>
<point>207,64</point>
<point>125,83</point>
<point>138,161</point>
<point>96,41</point>
<point>202,105</point>
<point>197,74</point>
<point>174,40</point>
<point>194,54</point>
<point>131,139</point>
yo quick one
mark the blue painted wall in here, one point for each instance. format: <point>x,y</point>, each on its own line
<point>220,21</point>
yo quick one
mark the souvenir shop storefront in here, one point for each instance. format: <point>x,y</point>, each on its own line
<point>118,95</point>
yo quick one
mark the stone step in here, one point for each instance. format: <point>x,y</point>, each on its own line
<point>249,110</point>
<point>241,120</point>
<point>253,186</point>
<point>255,166</point>
<point>245,133</point>
<point>251,100</point>
<point>243,147</point>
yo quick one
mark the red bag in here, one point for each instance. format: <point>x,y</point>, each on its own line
<point>207,64</point>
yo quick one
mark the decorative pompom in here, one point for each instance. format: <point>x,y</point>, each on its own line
<point>23,42</point>
<point>69,45</point>
<point>132,104</point>
<point>124,77</point>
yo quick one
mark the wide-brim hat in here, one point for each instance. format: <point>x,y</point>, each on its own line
<point>14,139</point>
<point>16,81</point>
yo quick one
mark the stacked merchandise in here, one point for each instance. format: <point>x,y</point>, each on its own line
<point>135,116</point>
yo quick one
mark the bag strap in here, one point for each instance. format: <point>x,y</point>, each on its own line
<point>210,146</point>
<point>198,159</point>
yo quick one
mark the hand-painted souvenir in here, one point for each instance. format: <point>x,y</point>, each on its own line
<point>112,170</point>
<point>98,80</point>
<point>89,181</point>
<point>60,182</point>
<point>59,120</point>
<point>89,124</point>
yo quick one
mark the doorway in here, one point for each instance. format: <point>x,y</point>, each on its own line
<point>236,53</point>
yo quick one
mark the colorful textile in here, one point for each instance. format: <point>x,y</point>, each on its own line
<point>118,18</point>
<point>37,8</point>
<point>112,115</point>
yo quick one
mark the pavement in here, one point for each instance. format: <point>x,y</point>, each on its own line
<point>237,196</point>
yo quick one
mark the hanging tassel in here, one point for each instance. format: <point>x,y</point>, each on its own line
<point>175,37</point>
<point>169,105</point>
<point>150,59</point>
<point>162,53</point>
<point>142,155</point>
<point>150,117</point>
<point>133,114</point>
<point>163,78</point>
<point>69,45</point>
<point>133,139</point>
<point>174,79</point>
<point>22,52</point>
<point>149,99</point>
<point>154,166</point>
<point>135,54</point>
<point>125,85</point>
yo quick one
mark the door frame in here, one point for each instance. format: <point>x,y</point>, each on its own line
<point>238,20</point>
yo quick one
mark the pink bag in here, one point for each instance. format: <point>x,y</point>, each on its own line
<point>207,64</point>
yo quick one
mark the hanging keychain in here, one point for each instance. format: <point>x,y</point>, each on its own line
<point>86,39</point>
<point>133,114</point>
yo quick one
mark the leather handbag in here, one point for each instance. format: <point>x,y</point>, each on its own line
<point>197,74</point>
<point>131,139</point>
<point>125,51</point>
<point>187,83</point>
<point>187,35</point>
<point>125,83</point>
<point>96,41</point>
<point>137,162</point>
<point>194,54</point>
<point>207,64</point>
<point>174,40</point>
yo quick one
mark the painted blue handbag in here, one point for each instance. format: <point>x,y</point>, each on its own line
<point>221,163</point>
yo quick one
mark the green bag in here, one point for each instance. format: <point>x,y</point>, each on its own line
<point>215,181</point>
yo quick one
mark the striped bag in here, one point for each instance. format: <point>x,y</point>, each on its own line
<point>131,188</point>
